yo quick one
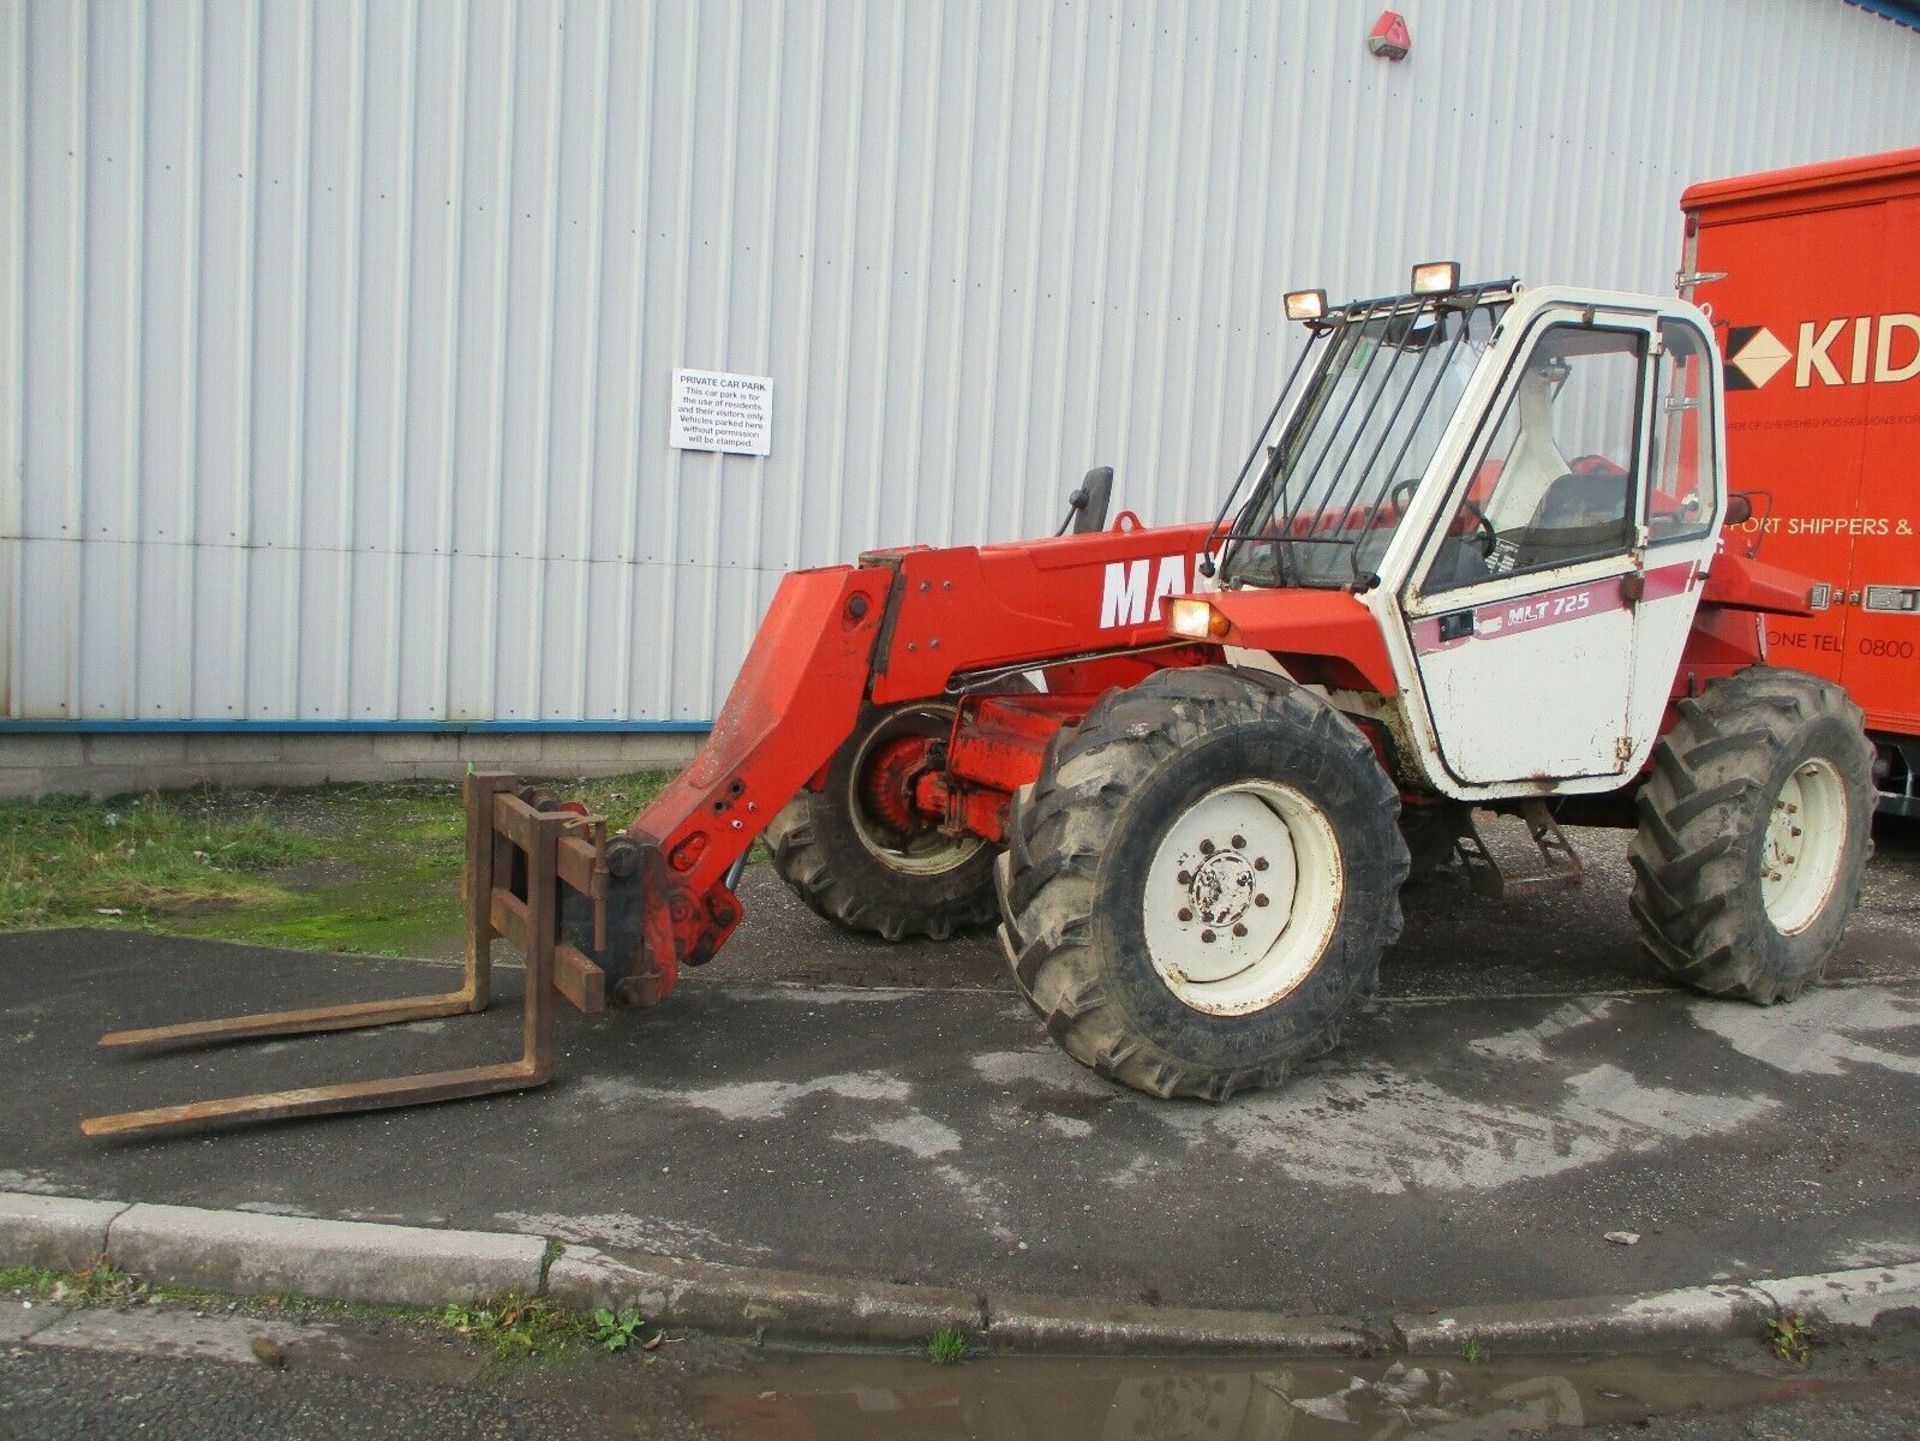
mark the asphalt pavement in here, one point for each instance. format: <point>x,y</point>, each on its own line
<point>1526,1086</point>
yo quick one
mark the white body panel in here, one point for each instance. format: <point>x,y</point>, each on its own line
<point>1552,700</point>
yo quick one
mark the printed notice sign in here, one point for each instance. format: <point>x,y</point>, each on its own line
<point>713,410</point>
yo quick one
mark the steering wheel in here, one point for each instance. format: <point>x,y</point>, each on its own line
<point>1402,494</point>
<point>1487,535</point>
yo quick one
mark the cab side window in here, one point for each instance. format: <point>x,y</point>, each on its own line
<point>1555,482</point>
<point>1682,488</point>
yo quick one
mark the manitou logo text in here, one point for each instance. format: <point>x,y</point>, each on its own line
<point>1135,590</point>
<point>1853,350</point>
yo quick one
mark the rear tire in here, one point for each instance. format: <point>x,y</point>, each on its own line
<point>872,866</point>
<point>1132,886</point>
<point>1754,834</point>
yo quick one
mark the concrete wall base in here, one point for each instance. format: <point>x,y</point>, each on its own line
<point>109,765</point>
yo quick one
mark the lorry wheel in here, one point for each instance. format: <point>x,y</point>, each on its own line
<point>1197,890</point>
<point>1754,833</point>
<point>859,853</point>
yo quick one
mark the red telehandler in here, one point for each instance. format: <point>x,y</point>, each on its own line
<point>1474,560</point>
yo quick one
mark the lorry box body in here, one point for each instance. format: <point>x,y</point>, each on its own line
<point>1811,277</point>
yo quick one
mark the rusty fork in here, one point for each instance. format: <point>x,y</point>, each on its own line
<point>523,910</point>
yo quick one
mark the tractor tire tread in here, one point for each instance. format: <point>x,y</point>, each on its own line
<point>1696,894</point>
<point>1059,827</point>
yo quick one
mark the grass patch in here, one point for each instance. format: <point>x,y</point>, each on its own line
<point>101,1285</point>
<point>373,869</point>
<point>65,859</point>
<point>1472,1351</point>
<point>948,1346</point>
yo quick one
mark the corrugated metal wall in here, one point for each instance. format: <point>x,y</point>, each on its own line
<point>338,337</point>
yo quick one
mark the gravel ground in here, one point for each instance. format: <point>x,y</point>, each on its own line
<point>48,1395</point>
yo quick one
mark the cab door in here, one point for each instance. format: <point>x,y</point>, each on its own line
<point>1522,620</point>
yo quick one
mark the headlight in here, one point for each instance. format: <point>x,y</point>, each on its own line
<point>1306,304</point>
<point>1197,620</point>
<point>1436,277</point>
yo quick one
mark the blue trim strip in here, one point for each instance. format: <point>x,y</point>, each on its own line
<point>1900,12</point>
<point>339,727</point>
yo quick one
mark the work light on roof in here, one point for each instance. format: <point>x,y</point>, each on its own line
<point>1436,277</point>
<point>1306,304</point>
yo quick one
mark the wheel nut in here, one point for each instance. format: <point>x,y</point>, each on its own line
<point>1239,843</point>
<point>1259,900</point>
<point>1206,848</point>
<point>1259,863</point>
<point>1186,913</point>
<point>1185,878</point>
<point>1239,930</point>
<point>1207,936</point>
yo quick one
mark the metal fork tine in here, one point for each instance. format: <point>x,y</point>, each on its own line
<point>531,924</point>
<point>325,1100</point>
<point>293,1023</point>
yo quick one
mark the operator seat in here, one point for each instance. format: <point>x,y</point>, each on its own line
<point>1581,517</point>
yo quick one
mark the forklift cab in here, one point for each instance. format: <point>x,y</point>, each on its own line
<point>1524,487</point>
<point>1580,512</point>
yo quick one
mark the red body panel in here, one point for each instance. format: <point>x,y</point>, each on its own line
<point>1322,637</point>
<point>1741,583</point>
<point>1031,603</point>
<point>1819,318</point>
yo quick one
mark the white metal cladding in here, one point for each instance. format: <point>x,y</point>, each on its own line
<point>338,337</point>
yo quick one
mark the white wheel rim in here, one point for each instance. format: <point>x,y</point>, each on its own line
<point>1805,844</point>
<point>925,853</point>
<point>1242,896</point>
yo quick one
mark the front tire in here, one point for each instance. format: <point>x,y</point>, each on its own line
<point>1197,890</point>
<point>857,853</point>
<point>1755,829</point>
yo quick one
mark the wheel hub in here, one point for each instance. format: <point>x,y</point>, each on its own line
<point>886,766</point>
<point>1222,889</point>
<point>1241,897</point>
<point>888,783</point>
<point>1805,843</point>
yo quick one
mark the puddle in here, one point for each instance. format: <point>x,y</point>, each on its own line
<point>837,1397</point>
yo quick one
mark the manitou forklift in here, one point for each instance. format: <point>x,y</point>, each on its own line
<point>1474,560</point>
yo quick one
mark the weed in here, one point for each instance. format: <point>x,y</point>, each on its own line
<point>1472,1352</point>
<point>615,1330</point>
<point>515,1325</point>
<point>1791,1336</point>
<point>947,1346</point>
<point>511,1326</point>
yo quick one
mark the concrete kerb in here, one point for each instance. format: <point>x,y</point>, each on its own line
<point>776,1305</point>
<point>1695,1313</point>
<point>60,1233</point>
<point>243,1253</point>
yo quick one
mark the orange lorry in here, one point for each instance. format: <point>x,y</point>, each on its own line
<point>1811,277</point>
